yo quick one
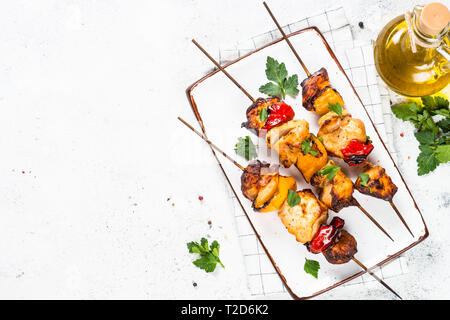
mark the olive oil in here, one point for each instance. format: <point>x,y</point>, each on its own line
<point>412,69</point>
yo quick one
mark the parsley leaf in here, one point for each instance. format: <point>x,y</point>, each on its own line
<point>336,108</point>
<point>443,153</point>
<point>271,89</point>
<point>209,255</point>
<point>329,171</point>
<point>444,124</point>
<point>425,137</point>
<point>306,148</point>
<point>263,114</point>
<point>426,160</point>
<point>364,179</point>
<point>433,136</point>
<point>246,148</point>
<point>282,84</point>
<point>293,198</point>
<point>312,267</point>
<point>406,112</point>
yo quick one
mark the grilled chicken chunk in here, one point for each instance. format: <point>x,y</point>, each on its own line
<point>267,190</point>
<point>336,193</point>
<point>311,87</point>
<point>275,134</point>
<point>304,219</point>
<point>253,121</point>
<point>317,92</point>
<point>289,146</point>
<point>379,185</point>
<point>250,179</point>
<point>343,250</point>
<point>337,132</point>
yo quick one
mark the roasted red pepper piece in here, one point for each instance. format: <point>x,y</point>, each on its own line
<point>357,152</point>
<point>278,114</point>
<point>325,236</point>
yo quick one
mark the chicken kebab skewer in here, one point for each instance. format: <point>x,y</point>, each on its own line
<point>290,138</point>
<point>343,136</point>
<point>306,219</point>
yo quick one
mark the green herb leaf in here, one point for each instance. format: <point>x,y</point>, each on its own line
<point>291,84</point>
<point>364,178</point>
<point>406,112</point>
<point>425,137</point>
<point>442,153</point>
<point>293,198</point>
<point>281,84</point>
<point>275,71</point>
<point>329,171</point>
<point>312,267</point>
<point>209,255</point>
<point>336,108</point>
<point>246,148</point>
<point>426,160</point>
<point>271,89</point>
<point>263,114</point>
<point>306,148</point>
<point>444,124</point>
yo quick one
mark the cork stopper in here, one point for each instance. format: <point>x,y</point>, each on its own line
<point>434,18</point>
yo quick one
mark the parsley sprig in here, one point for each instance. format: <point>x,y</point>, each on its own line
<point>281,84</point>
<point>312,267</point>
<point>306,148</point>
<point>293,198</point>
<point>209,255</point>
<point>364,178</point>
<point>246,148</point>
<point>329,171</point>
<point>433,137</point>
<point>336,108</point>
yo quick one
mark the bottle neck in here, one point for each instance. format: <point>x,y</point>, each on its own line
<point>420,37</point>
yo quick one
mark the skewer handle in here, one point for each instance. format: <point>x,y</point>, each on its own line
<point>211,144</point>
<point>400,217</point>
<point>376,277</point>
<point>287,40</point>
<point>217,64</point>
<point>372,219</point>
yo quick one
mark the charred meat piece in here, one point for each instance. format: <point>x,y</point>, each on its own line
<point>304,219</point>
<point>379,185</point>
<point>250,179</point>
<point>254,122</point>
<point>343,250</point>
<point>311,87</point>
<point>336,193</point>
<point>338,131</point>
<point>308,164</point>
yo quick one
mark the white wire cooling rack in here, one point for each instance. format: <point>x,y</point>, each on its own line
<point>357,61</point>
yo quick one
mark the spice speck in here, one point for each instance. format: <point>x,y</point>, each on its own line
<point>402,134</point>
<point>200,198</point>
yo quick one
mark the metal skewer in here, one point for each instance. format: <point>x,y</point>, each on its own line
<point>251,98</point>
<point>242,168</point>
